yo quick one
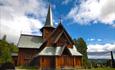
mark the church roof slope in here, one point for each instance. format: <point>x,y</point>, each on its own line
<point>57,51</point>
<point>30,41</point>
<point>74,51</point>
<point>49,51</point>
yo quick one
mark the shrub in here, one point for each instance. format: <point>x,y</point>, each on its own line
<point>7,65</point>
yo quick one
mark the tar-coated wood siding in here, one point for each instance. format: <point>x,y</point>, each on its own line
<point>47,32</point>
<point>60,61</point>
<point>77,61</point>
<point>47,62</point>
<point>25,55</point>
<point>68,61</point>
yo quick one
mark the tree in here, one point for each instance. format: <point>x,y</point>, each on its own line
<point>5,50</point>
<point>82,48</point>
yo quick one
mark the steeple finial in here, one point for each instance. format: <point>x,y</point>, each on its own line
<point>49,20</point>
<point>60,19</point>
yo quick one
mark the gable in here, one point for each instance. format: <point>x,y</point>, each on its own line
<point>59,34</point>
<point>63,39</point>
<point>66,33</point>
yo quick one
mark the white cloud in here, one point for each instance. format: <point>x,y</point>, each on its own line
<point>64,2</point>
<point>13,20</point>
<point>93,10</point>
<point>92,39</point>
<point>56,23</point>
<point>100,56</point>
<point>101,48</point>
<point>99,40</point>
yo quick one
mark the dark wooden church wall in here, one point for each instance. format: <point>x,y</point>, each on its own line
<point>47,61</point>
<point>78,61</point>
<point>64,61</point>
<point>25,56</point>
<point>47,32</point>
<point>59,61</point>
<point>68,61</point>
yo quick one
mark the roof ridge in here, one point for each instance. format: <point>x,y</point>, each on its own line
<point>30,35</point>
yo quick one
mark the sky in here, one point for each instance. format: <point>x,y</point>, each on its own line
<point>93,20</point>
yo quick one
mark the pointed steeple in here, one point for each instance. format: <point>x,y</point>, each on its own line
<point>48,28</point>
<point>49,20</point>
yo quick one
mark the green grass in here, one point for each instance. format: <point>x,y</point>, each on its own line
<point>102,69</point>
<point>33,68</point>
<point>26,68</point>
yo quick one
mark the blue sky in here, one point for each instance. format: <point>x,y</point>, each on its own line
<point>94,33</point>
<point>98,32</point>
<point>93,20</point>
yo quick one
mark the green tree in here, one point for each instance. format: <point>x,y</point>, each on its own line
<point>6,49</point>
<point>82,48</point>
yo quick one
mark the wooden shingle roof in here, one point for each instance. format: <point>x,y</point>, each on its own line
<point>57,51</point>
<point>30,41</point>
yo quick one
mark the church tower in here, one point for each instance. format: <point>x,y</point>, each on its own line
<point>48,28</point>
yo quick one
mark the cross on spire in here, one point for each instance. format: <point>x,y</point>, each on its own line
<point>60,19</point>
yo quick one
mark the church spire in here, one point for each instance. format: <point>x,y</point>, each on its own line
<point>48,28</point>
<point>49,20</point>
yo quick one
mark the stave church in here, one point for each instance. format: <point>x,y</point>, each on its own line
<point>54,49</point>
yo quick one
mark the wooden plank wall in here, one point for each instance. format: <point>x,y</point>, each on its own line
<point>47,61</point>
<point>60,61</point>
<point>77,61</point>
<point>25,55</point>
<point>64,61</point>
<point>20,58</point>
<point>68,61</point>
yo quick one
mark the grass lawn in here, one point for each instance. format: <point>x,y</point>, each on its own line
<point>25,68</point>
<point>102,69</point>
<point>32,68</point>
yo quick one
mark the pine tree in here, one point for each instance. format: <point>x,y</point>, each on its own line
<point>82,48</point>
